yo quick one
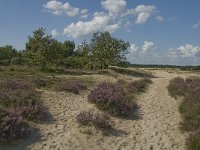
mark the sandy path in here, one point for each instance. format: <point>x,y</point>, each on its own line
<point>157,127</point>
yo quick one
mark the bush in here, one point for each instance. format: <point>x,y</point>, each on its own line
<point>193,143</point>
<point>138,85</point>
<point>131,72</point>
<point>189,108</point>
<point>19,101</point>
<point>111,98</point>
<point>34,113</point>
<point>71,86</point>
<point>16,93</point>
<point>12,126</point>
<point>100,120</point>
<point>177,87</point>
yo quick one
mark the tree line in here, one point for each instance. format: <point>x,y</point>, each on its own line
<point>43,50</point>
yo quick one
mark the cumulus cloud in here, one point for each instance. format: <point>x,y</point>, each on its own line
<point>148,48</point>
<point>114,6</point>
<point>185,51</point>
<point>143,13</point>
<point>112,28</point>
<point>84,11</point>
<point>116,14</point>
<point>55,33</point>
<point>159,18</point>
<point>144,54</point>
<point>59,8</point>
<point>197,25</point>
<point>98,23</point>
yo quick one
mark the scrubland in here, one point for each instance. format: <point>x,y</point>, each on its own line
<point>103,109</point>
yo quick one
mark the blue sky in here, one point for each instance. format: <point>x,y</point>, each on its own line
<point>159,31</point>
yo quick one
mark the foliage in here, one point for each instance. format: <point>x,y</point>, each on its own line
<point>193,142</point>
<point>34,112</point>
<point>111,98</point>
<point>138,85</point>
<point>99,120</point>
<point>6,54</point>
<point>16,93</point>
<point>131,72</point>
<point>12,126</point>
<point>19,101</point>
<point>189,108</point>
<point>71,86</point>
<point>177,87</point>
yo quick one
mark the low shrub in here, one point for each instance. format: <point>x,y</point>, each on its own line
<point>99,120</point>
<point>19,101</point>
<point>111,98</point>
<point>193,142</point>
<point>12,126</point>
<point>34,112</point>
<point>189,108</point>
<point>131,72</point>
<point>138,85</point>
<point>71,86</point>
<point>177,87</point>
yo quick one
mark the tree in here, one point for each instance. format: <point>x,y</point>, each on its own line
<point>42,48</point>
<point>69,47</point>
<point>107,50</point>
<point>7,53</point>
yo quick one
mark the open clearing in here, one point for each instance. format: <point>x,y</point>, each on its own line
<point>155,126</point>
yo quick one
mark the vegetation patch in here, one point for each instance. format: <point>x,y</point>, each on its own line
<point>112,98</point>
<point>138,85</point>
<point>131,72</point>
<point>12,126</point>
<point>98,120</point>
<point>71,86</point>
<point>189,108</point>
<point>19,102</point>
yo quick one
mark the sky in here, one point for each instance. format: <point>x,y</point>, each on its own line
<point>159,31</point>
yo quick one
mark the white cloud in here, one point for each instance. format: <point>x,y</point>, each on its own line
<point>59,8</point>
<point>79,29</point>
<point>110,20</point>
<point>112,28</point>
<point>114,6</point>
<point>159,18</point>
<point>197,25</point>
<point>142,18</point>
<point>185,51</point>
<point>143,13</point>
<point>84,11</point>
<point>83,16</point>
<point>144,54</point>
<point>147,49</point>
<point>55,33</point>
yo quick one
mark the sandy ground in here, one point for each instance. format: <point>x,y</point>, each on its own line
<point>154,127</point>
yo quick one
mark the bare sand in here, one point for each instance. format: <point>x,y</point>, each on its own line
<point>154,127</point>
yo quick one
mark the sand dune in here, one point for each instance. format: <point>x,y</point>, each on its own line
<point>155,126</point>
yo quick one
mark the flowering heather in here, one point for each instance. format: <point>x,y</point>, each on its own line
<point>12,125</point>
<point>189,108</point>
<point>99,120</point>
<point>111,98</point>
<point>11,84</point>
<point>72,86</point>
<point>177,87</point>
<point>34,112</point>
<point>19,101</point>
<point>138,85</point>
